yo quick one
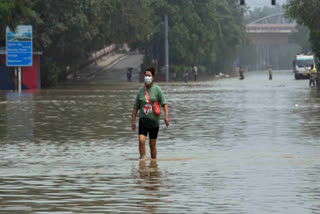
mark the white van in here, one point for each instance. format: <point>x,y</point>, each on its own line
<point>302,65</point>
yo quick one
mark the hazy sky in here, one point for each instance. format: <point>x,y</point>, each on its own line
<point>262,3</point>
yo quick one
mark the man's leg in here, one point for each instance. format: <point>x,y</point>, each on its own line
<point>153,148</point>
<point>311,83</point>
<point>142,147</point>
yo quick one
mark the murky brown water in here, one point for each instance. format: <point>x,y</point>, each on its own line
<point>233,146</point>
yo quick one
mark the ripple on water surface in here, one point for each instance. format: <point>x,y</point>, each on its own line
<point>232,147</point>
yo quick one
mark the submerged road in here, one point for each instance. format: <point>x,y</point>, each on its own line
<point>249,146</point>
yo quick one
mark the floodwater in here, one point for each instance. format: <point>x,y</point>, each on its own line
<point>250,146</point>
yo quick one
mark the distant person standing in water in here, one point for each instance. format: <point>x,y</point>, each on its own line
<point>129,74</point>
<point>195,72</point>
<point>241,72</point>
<point>148,121</point>
<point>186,76</point>
<point>174,76</point>
<point>313,75</point>
<point>270,72</point>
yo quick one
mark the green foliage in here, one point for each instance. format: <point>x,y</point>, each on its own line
<point>130,22</point>
<point>182,69</point>
<point>49,72</point>
<point>231,35</point>
<point>69,31</point>
<point>201,32</point>
<point>12,13</point>
<point>301,37</point>
<point>307,13</point>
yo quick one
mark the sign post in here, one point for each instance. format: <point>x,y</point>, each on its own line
<point>19,48</point>
<point>19,78</point>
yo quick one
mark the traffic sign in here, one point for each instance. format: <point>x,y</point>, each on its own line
<point>19,46</point>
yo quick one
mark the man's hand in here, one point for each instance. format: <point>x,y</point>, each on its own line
<point>166,117</point>
<point>133,120</point>
<point>133,126</point>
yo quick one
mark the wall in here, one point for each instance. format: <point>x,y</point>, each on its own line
<point>30,76</point>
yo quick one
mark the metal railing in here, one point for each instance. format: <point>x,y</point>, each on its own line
<point>270,28</point>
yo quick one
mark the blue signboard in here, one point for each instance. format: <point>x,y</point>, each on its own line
<point>19,46</point>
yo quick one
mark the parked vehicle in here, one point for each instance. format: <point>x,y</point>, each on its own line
<point>302,65</point>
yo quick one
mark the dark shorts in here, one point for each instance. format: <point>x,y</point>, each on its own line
<point>153,132</point>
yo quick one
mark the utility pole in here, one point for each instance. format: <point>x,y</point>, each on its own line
<point>19,79</point>
<point>166,46</point>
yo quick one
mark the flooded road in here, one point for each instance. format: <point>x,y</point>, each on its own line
<point>250,146</point>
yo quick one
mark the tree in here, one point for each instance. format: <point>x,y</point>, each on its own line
<point>307,13</point>
<point>65,30</point>
<point>231,23</point>
<point>12,13</point>
<point>205,32</point>
<point>130,22</point>
<point>202,32</point>
<point>69,31</point>
<point>301,37</point>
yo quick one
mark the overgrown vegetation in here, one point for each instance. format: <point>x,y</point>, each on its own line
<point>306,13</point>
<point>203,32</point>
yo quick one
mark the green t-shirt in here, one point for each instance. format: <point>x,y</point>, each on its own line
<point>146,115</point>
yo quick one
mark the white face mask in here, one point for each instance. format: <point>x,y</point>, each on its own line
<point>147,79</point>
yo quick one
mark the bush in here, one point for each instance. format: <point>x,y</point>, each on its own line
<point>49,72</point>
<point>202,69</point>
<point>181,69</point>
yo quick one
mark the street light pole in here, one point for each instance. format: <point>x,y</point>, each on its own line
<point>166,46</point>
<point>19,79</point>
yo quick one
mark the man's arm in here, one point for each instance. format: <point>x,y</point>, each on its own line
<point>166,117</point>
<point>133,122</point>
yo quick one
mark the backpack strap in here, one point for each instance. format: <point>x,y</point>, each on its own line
<point>148,98</point>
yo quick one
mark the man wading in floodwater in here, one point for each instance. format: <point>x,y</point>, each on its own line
<point>241,72</point>
<point>148,121</point>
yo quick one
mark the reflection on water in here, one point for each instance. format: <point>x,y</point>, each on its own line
<point>18,116</point>
<point>151,182</point>
<point>232,146</point>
